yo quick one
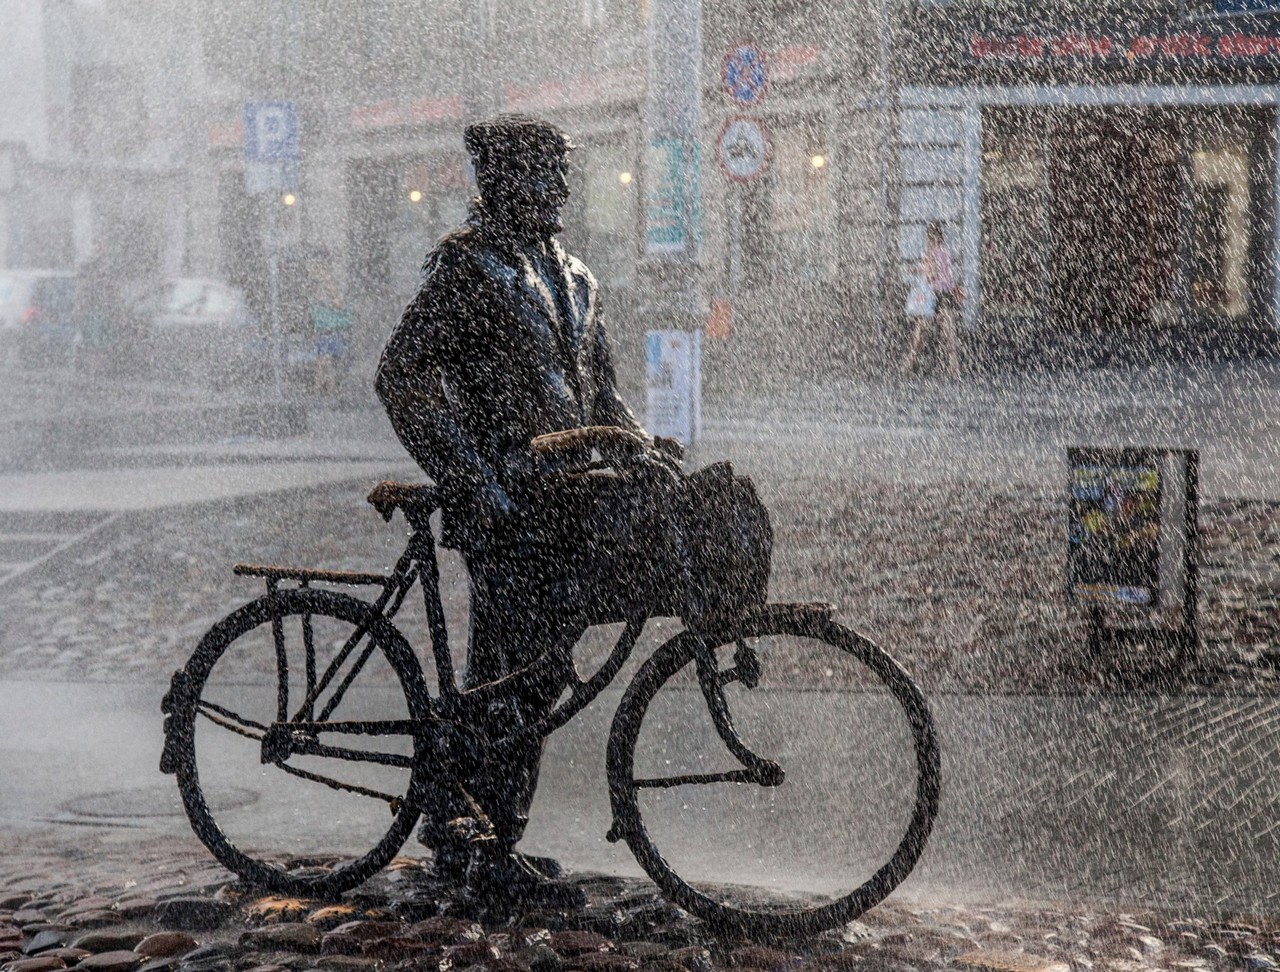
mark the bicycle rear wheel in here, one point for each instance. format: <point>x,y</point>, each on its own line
<point>782,752</point>
<point>273,784</point>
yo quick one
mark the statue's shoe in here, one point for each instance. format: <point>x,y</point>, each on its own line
<point>512,879</point>
<point>548,867</point>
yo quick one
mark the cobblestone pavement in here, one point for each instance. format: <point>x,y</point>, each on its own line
<point>160,907</point>
<point>960,581</point>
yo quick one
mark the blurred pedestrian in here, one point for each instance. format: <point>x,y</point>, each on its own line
<point>331,322</point>
<point>938,275</point>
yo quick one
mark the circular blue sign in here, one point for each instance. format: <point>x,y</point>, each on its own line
<point>745,74</point>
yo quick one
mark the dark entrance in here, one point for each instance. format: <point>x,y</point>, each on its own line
<point>1114,193</point>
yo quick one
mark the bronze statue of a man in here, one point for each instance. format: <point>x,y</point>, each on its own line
<point>505,341</point>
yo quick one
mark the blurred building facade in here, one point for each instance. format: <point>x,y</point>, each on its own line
<point>1107,170</point>
<point>95,151</point>
<point>144,103</point>
<point>1099,167</point>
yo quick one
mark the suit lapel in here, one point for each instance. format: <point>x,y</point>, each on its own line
<point>572,305</point>
<point>536,292</point>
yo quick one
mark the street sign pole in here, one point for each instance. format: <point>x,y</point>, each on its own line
<point>273,285</point>
<point>735,246</point>
<point>271,167</point>
<point>670,271</point>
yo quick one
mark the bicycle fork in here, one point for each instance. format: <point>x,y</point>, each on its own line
<point>746,669</point>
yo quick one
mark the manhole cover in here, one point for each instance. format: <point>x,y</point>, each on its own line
<point>151,801</point>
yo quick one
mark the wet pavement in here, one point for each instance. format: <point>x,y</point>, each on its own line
<point>1122,801</point>
<point>161,910</point>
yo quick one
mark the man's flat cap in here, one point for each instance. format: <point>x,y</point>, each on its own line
<point>515,136</point>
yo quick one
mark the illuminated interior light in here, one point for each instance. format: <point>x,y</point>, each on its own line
<point>415,195</point>
<point>290,199</point>
<point>818,161</point>
<point>624,178</point>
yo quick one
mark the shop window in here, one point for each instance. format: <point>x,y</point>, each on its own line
<point>609,212</point>
<point>1220,230</point>
<point>798,219</point>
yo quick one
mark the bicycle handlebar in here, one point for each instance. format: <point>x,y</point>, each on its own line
<point>388,496</point>
<point>592,436</point>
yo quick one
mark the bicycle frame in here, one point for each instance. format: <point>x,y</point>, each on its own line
<point>296,732</point>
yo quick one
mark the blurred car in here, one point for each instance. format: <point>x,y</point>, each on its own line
<point>36,314</point>
<point>198,328</point>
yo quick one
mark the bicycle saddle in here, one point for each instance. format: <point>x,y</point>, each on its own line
<point>416,499</point>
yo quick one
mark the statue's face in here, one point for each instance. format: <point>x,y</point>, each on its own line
<point>533,191</point>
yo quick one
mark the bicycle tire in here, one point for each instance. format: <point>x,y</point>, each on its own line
<point>679,653</point>
<point>279,607</point>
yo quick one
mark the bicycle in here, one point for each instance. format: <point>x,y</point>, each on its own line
<point>317,642</point>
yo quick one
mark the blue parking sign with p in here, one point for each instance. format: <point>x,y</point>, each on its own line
<point>270,131</point>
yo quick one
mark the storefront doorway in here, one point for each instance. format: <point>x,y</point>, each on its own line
<point>1122,218</point>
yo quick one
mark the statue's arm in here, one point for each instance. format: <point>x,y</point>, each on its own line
<point>410,383</point>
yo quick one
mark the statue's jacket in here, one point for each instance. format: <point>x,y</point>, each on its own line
<point>502,342</point>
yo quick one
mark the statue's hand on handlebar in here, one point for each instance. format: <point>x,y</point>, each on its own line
<point>669,447</point>
<point>488,506</point>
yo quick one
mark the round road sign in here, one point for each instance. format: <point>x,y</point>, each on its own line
<point>743,148</point>
<point>745,74</point>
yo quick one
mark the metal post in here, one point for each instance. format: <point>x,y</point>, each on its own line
<point>673,126</point>
<point>273,283</point>
<point>670,272</point>
<point>1275,216</point>
<point>887,119</point>
<point>735,246</point>
<point>1189,650</point>
<point>971,214</point>
<point>1097,625</point>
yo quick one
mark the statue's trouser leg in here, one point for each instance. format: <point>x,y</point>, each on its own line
<point>516,616</point>
<point>523,621</point>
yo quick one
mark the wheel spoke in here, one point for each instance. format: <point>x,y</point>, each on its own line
<point>282,668</point>
<point>235,722</point>
<point>353,755</point>
<point>386,727</point>
<point>308,643</point>
<point>339,785</point>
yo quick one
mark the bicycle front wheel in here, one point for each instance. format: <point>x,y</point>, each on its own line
<point>776,777</point>
<point>299,783</point>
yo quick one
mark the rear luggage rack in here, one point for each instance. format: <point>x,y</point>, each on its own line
<point>305,575</point>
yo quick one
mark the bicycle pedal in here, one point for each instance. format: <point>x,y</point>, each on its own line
<point>472,829</point>
<point>746,666</point>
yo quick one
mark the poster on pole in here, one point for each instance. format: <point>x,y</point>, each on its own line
<point>673,384</point>
<point>672,210</point>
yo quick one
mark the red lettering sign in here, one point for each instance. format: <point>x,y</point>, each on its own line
<point>1075,45</point>
<point>429,109</point>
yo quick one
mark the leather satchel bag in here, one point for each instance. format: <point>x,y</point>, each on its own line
<point>696,547</point>
<point>728,539</point>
